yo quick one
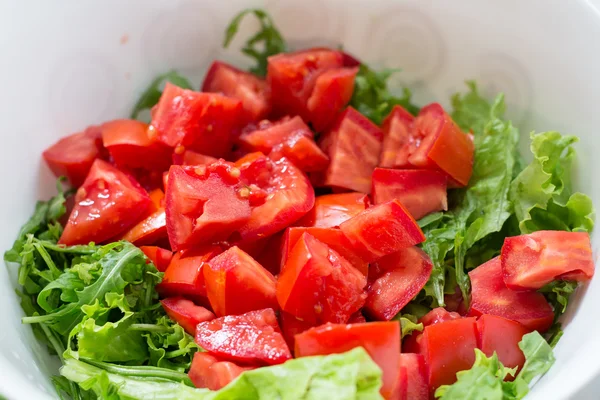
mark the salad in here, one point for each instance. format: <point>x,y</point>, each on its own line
<point>297,231</point>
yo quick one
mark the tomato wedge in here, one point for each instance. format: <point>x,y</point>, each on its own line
<point>316,284</point>
<point>291,326</point>
<point>186,313</point>
<point>331,210</point>
<point>149,230</point>
<point>382,230</point>
<point>412,343</point>
<point>236,284</point>
<point>244,86</point>
<point>413,382</point>
<point>353,146</point>
<point>204,204</point>
<point>534,260</point>
<point>251,338</point>
<point>108,203</point>
<point>403,275</point>
<point>209,372</point>
<point>73,155</point>
<point>380,339</point>
<point>189,157</point>
<point>502,336</point>
<point>490,295</point>
<point>161,258</point>
<point>421,192</point>
<point>397,131</point>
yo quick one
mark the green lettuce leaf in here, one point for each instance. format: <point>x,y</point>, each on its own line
<point>152,94</point>
<point>408,323</point>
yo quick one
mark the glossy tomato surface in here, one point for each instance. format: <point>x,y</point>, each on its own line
<point>331,210</point>
<point>210,372</point>
<point>186,313</point>
<point>161,258</point>
<point>396,127</point>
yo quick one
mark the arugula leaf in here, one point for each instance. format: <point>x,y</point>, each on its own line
<point>267,42</point>
<point>152,94</point>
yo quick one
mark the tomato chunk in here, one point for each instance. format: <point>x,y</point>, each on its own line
<point>332,92</point>
<point>397,132</point>
<point>204,204</point>
<point>449,347</point>
<point>186,313</point>
<point>412,343</point>
<point>73,155</point>
<point>108,203</point>
<point>501,335</point>
<point>382,230</point>
<point>209,372</point>
<point>291,326</point>
<point>421,192</point>
<point>331,210</point>
<point>149,230</point>
<point>316,284</point>
<point>161,258</point>
<point>251,338</point>
<point>236,284</point>
<point>189,157</point>
<point>490,295</point>
<point>531,261</point>
<point>244,86</point>
<point>413,383</point>
<point>380,339</point>
<point>404,274</point>
<point>353,146</point>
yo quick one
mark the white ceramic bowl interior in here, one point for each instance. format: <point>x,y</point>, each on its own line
<point>68,64</point>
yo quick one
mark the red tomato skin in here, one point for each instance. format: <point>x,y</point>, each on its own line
<point>382,230</point>
<point>244,86</point>
<point>380,339</point>
<point>536,259</point>
<point>186,313</point>
<point>421,192</point>
<point>161,258</point>
<point>73,155</point>
<point>331,210</point>
<point>189,157</point>
<point>413,378</point>
<point>237,284</point>
<point>349,60</point>
<point>148,231</point>
<point>396,129</point>
<point>490,295</point>
<point>353,144</point>
<point>108,203</point>
<point>291,326</point>
<point>251,338</point>
<point>317,285</point>
<point>332,92</point>
<point>209,372</point>
<point>412,343</point>
<point>204,204</point>
<point>404,274</point>
<point>449,347</point>
<point>501,335</point>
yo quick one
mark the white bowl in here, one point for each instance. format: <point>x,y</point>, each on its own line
<point>67,64</point>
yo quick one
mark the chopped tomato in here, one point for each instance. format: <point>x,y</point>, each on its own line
<point>184,119</point>
<point>244,86</point>
<point>186,313</point>
<point>161,258</point>
<point>412,343</point>
<point>421,192</point>
<point>353,146</point>
<point>209,372</point>
<point>382,230</point>
<point>73,155</point>
<point>316,284</point>
<point>349,60</point>
<point>489,295</point>
<point>291,326</point>
<point>531,261</point>
<point>269,255</point>
<point>189,157</point>
<point>204,204</point>
<point>331,210</point>
<point>332,92</point>
<point>289,195</point>
<point>292,77</point>
<point>108,203</point>
<point>449,347</point>
<point>149,230</point>
<point>332,237</point>
<point>380,339</point>
<point>251,338</point>
<point>413,383</point>
<point>236,284</point>
<point>157,196</point>
<point>184,276</point>
<point>396,127</point>
<point>403,275</point>
<point>438,143</point>
<point>502,336</point>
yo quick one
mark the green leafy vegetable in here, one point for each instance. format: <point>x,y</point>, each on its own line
<point>151,95</point>
<point>408,324</point>
<point>267,42</point>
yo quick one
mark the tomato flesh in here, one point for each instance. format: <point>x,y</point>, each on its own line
<point>317,285</point>
<point>251,338</point>
<point>236,284</point>
<point>189,157</point>
<point>209,372</point>
<point>149,230</point>
<point>413,382</point>
<point>291,326</point>
<point>534,260</point>
<point>161,258</point>
<point>380,339</point>
<point>501,335</point>
<point>396,127</point>
<point>490,295</point>
<point>382,230</point>
<point>186,313</point>
<point>331,210</point>
<point>412,343</point>
<point>421,192</point>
